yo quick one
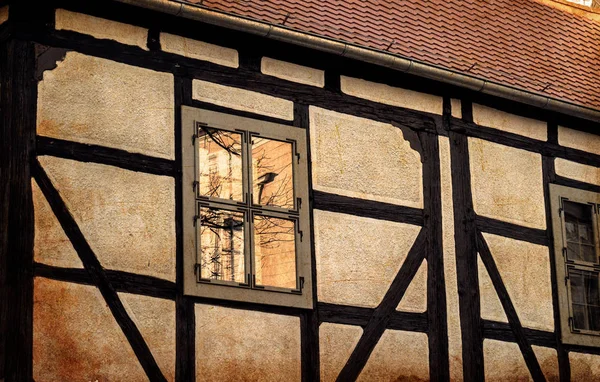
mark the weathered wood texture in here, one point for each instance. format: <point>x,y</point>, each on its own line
<point>354,315</point>
<point>18,91</point>
<point>514,231</point>
<point>97,274</point>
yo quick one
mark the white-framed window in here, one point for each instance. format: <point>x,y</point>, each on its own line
<point>575,222</point>
<point>246,210</point>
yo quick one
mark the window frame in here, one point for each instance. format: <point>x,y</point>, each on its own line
<point>302,297</point>
<point>558,194</point>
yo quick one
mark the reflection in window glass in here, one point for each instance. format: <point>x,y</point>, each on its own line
<point>222,245</point>
<point>585,299</point>
<point>220,164</point>
<point>275,252</point>
<point>272,173</point>
<point>579,229</point>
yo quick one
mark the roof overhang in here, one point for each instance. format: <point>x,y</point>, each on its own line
<point>365,54</point>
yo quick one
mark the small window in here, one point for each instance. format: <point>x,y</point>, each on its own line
<point>575,215</point>
<point>246,219</point>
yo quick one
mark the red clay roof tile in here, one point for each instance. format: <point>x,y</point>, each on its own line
<point>517,42</point>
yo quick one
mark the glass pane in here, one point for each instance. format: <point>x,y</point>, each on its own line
<point>220,164</point>
<point>585,299</point>
<point>579,229</point>
<point>272,173</point>
<point>221,254</point>
<point>275,252</point>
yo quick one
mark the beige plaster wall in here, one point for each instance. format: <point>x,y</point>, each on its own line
<point>525,271</point>
<point>503,361</point>
<point>155,319</point>
<point>456,108</point>
<point>577,171</point>
<point>415,298</point>
<point>292,72</point>
<point>199,50</point>
<point>531,128</point>
<point>336,343</point>
<point>128,218</point>
<point>357,258</point>
<point>92,100</point>
<point>579,140</point>
<point>507,183</point>
<point>76,338</point>
<point>102,28</point>
<point>452,303</point>
<point>398,356</point>
<point>233,344</point>
<point>584,367</point>
<point>51,245</point>
<point>388,95</point>
<point>241,99</point>
<point>3,14</point>
<point>365,159</point>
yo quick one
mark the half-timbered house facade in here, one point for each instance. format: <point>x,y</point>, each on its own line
<point>299,190</point>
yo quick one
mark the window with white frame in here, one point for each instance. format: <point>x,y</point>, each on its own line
<point>575,215</point>
<point>246,218</point>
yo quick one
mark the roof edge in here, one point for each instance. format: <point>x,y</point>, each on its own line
<point>361,53</point>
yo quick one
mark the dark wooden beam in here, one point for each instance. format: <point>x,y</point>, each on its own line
<point>513,319</point>
<point>576,184</point>
<point>97,274</point>
<point>122,281</point>
<point>18,93</point>
<point>439,361</point>
<point>354,315</point>
<point>502,331</point>
<point>381,316</point>
<point>466,259</point>
<point>514,231</point>
<point>367,208</point>
<point>104,155</point>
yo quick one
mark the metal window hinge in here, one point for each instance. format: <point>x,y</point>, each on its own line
<point>196,267</point>
<point>299,202</point>
<point>195,184</point>
<point>301,283</point>
<point>196,217</point>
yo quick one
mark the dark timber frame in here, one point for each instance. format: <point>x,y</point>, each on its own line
<point>20,68</point>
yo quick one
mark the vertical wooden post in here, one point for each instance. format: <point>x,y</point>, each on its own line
<point>17,139</point>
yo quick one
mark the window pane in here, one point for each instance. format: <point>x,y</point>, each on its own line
<point>585,299</point>
<point>275,252</point>
<point>220,164</point>
<point>222,245</point>
<point>272,173</point>
<point>579,229</point>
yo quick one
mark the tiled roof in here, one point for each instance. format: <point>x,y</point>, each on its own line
<point>516,42</point>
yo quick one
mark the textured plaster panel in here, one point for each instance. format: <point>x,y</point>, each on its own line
<point>507,183</point>
<point>398,356</point>
<point>577,171</point>
<point>357,258</point>
<point>525,271</point>
<point>102,28</point>
<point>579,140</point>
<point>265,347</point>
<point>93,100</point>
<point>584,367</point>
<point>128,218</point>
<point>155,318</point>
<point>199,50</point>
<point>336,343</point>
<point>51,245</point>
<point>456,108</point>
<point>293,72</point>
<point>365,159</point>
<point>454,333</point>
<point>532,128</point>
<point>3,14</point>
<point>76,338</point>
<point>241,99</point>
<point>415,298</point>
<point>388,95</point>
<point>503,361</point>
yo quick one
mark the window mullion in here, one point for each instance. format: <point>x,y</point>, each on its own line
<point>250,224</point>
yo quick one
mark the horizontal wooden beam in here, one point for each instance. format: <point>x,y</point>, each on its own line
<point>502,331</point>
<point>367,208</point>
<point>576,184</point>
<point>122,281</point>
<point>358,316</point>
<point>104,155</point>
<point>513,231</point>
